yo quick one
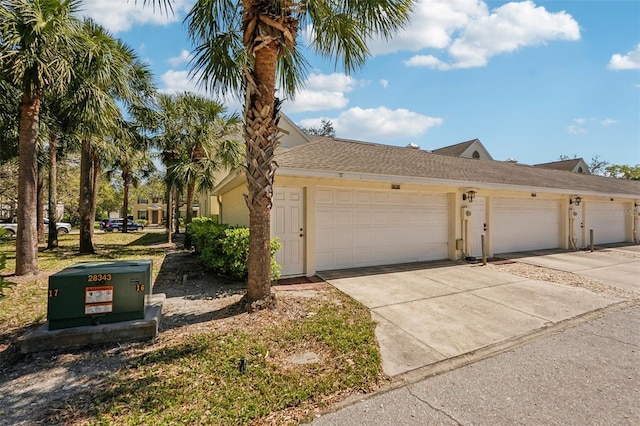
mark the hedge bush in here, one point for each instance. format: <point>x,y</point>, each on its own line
<point>225,248</point>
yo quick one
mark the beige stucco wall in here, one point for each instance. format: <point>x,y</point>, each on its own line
<point>234,210</point>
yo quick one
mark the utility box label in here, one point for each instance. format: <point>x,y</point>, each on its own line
<point>102,308</point>
<point>98,294</point>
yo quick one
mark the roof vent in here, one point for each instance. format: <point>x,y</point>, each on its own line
<point>511,160</point>
<point>413,146</point>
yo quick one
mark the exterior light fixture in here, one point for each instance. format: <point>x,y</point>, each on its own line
<point>576,200</point>
<point>469,196</point>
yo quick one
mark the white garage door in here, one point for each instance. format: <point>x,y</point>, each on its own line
<point>607,219</point>
<point>521,224</point>
<point>363,228</point>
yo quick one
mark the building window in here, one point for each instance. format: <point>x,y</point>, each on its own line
<point>142,201</point>
<point>157,200</point>
<point>580,170</point>
<point>476,155</point>
<point>142,214</point>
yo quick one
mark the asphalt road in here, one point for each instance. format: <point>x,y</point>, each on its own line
<point>587,374</point>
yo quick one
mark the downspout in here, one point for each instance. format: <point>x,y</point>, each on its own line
<point>572,239</point>
<point>465,213</point>
<point>636,213</point>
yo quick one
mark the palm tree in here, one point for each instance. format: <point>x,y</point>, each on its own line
<point>107,71</point>
<point>133,162</point>
<point>247,47</point>
<point>198,142</point>
<point>36,40</point>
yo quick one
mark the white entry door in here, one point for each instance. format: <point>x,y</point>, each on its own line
<point>478,225</point>
<point>287,226</point>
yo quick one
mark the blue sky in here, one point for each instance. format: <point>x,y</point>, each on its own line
<point>531,80</point>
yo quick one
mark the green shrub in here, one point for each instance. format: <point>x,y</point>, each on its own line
<point>225,249</point>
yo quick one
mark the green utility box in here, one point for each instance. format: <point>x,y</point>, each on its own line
<point>92,293</point>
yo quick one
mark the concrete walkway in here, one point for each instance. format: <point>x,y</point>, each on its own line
<point>431,312</point>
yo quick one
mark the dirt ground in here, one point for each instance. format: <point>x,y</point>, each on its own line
<point>33,387</point>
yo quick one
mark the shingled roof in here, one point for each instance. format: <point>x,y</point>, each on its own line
<point>455,150</point>
<point>348,156</point>
<point>566,165</point>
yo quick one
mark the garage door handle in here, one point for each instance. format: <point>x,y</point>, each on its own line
<point>301,233</point>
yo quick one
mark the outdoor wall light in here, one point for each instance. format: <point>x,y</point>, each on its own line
<point>469,196</point>
<point>576,201</point>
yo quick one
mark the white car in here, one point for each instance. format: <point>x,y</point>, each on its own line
<point>12,228</point>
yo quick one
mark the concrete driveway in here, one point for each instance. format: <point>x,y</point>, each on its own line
<point>429,312</point>
<point>618,266</point>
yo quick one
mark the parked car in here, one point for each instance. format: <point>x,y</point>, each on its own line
<point>62,227</point>
<point>116,225</point>
<point>12,228</point>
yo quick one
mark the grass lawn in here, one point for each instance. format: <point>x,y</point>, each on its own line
<point>233,369</point>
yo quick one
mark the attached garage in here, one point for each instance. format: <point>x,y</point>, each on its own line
<point>607,219</point>
<point>357,227</point>
<point>521,224</point>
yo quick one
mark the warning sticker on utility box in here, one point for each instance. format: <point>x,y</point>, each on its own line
<point>101,308</point>
<point>100,294</point>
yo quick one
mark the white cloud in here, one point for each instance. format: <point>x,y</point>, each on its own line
<point>384,83</point>
<point>572,129</point>
<point>179,81</point>
<point>336,82</point>
<point>322,92</point>
<point>609,122</point>
<point>630,61</point>
<point>581,126</point>
<point>184,57</point>
<point>471,34</point>
<point>378,124</point>
<point>121,15</point>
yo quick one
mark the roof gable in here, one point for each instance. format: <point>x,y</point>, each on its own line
<point>292,135</point>
<point>469,149</point>
<point>574,165</point>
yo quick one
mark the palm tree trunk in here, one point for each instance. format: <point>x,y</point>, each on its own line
<point>95,180</point>
<point>52,239</point>
<point>176,212</point>
<point>190,194</point>
<point>169,214</point>
<point>125,203</point>
<point>27,238</point>
<point>86,197</point>
<point>261,137</point>
<point>189,216</point>
<point>40,205</point>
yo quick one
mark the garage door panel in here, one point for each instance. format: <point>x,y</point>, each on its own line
<point>380,218</point>
<point>344,217</point>
<point>607,219</point>
<point>362,237</point>
<point>344,238</point>
<point>363,217</point>
<point>521,224</point>
<point>384,227</point>
<point>380,198</point>
<point>362,198</point>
